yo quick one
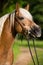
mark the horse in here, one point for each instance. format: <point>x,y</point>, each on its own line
<point>18,21</point>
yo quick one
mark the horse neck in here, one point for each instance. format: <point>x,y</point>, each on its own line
<point>6,41</point>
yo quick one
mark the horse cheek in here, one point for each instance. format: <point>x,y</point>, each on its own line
<point>19,29</point>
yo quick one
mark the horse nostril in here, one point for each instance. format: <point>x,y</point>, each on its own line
<point>37,31</point>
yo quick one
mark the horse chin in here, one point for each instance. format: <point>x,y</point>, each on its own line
<point>35,32</point>
<point>38,34</point>
<point>35,35</point>
<point>29,35</point>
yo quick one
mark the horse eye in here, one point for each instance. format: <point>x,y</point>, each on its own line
<point>21,18</point>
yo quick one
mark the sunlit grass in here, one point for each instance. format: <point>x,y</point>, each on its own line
<point>16,51</point>
<point>40,57</point>
<point>24,43</point>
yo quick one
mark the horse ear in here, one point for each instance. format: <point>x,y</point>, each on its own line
<point>17,7</point>
<point>27,7</point>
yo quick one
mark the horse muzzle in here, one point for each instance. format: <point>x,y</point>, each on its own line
<point>35,32</point>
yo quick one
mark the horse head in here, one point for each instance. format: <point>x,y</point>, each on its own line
<point>24,23</point>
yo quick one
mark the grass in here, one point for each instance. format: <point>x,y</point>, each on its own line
<point>40,57</point>
<point>16,51</point>
<point>23,43</point>
<point>38,43</point>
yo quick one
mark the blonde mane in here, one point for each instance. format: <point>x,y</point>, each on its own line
<point>2,21</point>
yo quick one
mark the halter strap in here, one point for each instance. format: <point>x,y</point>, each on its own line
<point>18,21</point>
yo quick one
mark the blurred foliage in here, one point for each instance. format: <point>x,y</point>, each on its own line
<point>36,9</point>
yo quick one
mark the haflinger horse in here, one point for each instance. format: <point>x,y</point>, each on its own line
<point>19,21</point>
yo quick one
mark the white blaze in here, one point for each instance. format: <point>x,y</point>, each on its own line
<point>26,14</point>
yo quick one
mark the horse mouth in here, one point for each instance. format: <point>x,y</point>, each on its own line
<point>35,32</point>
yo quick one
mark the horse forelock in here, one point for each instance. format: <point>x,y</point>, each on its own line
<point>26,14</point>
